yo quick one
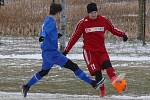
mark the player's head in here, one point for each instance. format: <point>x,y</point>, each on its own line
<point>55,8</point>
<point>92,10</point>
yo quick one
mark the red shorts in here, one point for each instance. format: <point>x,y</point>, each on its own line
<point>95,60</point>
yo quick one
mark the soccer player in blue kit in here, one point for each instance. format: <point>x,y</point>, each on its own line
<point>51,55</point>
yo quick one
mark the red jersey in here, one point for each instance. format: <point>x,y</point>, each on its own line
<point>93,32</point>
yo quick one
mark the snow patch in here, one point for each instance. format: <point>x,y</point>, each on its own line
<point>76,57</point>
<point>47,96</point>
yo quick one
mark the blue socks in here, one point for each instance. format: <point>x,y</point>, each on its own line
<point>83,76</point>
<point>79,73</point>
<point>34,79</point>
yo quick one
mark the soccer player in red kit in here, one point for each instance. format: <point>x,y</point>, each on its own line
<point>93,28</point>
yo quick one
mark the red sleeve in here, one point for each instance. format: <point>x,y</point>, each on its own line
<point>74,38</point>
<point>114,30</point>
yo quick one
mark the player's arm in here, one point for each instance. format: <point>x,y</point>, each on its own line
<point>42,34</point>
<point>47,27</point>
<point>74,38</point>
<point>115,31</point>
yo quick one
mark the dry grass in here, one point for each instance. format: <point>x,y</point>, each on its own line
<point>124,15</point>
<point>25,17</point>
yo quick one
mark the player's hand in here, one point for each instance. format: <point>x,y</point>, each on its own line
<point>64,53</point>
<point>59,35</point>
<point>41,39</point>
<point>125,38</point>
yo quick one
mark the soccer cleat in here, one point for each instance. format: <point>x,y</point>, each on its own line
<point>120,85</point>
<point>98,84</point>
<point>25,89</point>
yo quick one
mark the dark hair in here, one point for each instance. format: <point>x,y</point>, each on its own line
<point>91,7</point>
<point>55,8</point>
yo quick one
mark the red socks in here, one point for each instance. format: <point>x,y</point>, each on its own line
<point>102,91</point>
<point>111,73</point>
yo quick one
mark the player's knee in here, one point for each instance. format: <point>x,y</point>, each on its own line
<point>98,76</point>
<point>106,64</point>
<point>43,72</point>
<point>71,65</point>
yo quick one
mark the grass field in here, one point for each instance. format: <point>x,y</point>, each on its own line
<point>16,71</point>
<point>64,81</point>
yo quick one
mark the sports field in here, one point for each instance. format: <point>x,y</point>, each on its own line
<point>20,58</point>
<point>20,55</point>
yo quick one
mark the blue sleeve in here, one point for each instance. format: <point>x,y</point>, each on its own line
<point>47,27</point>
<point>42,33</point>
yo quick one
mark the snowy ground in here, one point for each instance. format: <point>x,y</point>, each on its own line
<point>28,48</point>
<point>75,57</point>
<point>46,96</point>
<point>19,55</point>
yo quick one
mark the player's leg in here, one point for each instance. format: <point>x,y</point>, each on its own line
<point>109,69</point>
<point>63,61</point>
<point>89,62</point>
<point>98,77</point>
<point>46,66</point>
<point>112,74</point>
<point>82,75</point>
<point>93,66</point>
<point>106,64</point>
<point>36,77</point>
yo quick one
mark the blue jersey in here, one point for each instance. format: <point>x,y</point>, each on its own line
<point>49,46</point>
<point>50,34</point>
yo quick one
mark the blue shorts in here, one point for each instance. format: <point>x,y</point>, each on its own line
<point>53,57</point>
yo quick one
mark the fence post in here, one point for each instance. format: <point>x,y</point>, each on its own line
<point>141,23</point>
<point>63,26</point>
